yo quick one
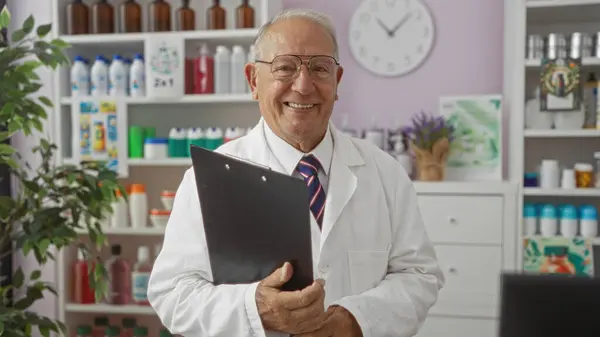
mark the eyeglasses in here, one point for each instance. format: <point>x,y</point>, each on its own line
<point>287,67</point>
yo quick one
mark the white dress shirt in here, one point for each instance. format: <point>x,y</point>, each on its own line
<point>288,156</point>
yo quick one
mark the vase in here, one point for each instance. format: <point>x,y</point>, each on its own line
<point>431,164</point>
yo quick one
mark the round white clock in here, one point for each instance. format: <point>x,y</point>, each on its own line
<point>391,37</point>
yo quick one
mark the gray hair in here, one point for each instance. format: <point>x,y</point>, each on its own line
<point>309,14</point>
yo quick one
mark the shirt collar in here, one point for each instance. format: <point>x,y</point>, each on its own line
<point>288,156</point>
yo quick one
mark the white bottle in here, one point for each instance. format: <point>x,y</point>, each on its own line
<point>80,78</point>
<point>138,206</point>
<point>569,224</point>
<point>251,59</point>
<point>222,70</point>
<point>548,221</point>
<point>137,77</point>
<point>119,217</point>
<point>117,77</point>
<point>99,77</point>
<point>589,221</point>
<point>238,78</point>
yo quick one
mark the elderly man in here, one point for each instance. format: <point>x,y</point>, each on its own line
<point>376,270</point>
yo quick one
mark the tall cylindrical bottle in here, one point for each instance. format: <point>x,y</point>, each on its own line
<point>159,19</point>
<point>238,78</point>
<point>103,18</point>
<point>140,276</point>
<point>137,77</point>
<point>216,16</point>
<point>99,77</point>
<point>244,15</point>
<point>78,18</point>
<point>120,216</point>
<point>185,16</point>
<point>83,292</point>
<point>138,206</point>
<point>130,17</point>
<point>222,70</point>
<point>80,78</point>
<point>204,72</point>
<point>119,276</point>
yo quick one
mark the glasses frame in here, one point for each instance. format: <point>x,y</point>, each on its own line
<point>302,62</point>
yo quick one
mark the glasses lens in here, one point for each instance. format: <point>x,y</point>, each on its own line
<point>285,66</point>
<point>322,66</point>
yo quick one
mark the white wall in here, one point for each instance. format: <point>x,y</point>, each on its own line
<point>42,12</point>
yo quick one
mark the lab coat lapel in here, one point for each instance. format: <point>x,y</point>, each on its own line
<point>258,150</point>
<point>342,181</point>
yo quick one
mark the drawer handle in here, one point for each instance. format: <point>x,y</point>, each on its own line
<point>452,270</point>
<point>452,220</point>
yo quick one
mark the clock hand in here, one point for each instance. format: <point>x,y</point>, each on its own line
<point>400,24</point>
<point>387,30</point>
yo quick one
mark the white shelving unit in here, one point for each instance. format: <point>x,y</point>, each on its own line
<point>204,111</point>
<point>528,147</point>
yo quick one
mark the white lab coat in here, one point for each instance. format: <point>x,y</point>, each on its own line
<point>373,251</point>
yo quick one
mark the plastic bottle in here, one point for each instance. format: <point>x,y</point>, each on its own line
<point>119,217</point>
<point>83,293</point>
<point>80,78</point>
<point>214,138</point>
<point>222,70</point>
<point>99,77</point>
<point>84,331</point>
<point>548,221</point>
<point>204,72</point>
<point>138,206</point>
<point>100,325</point>
<point>529,220</point>
<point>137,77</point>
<point>119,276</point>
<point>117,77</point>
<point>195,136</point>
<point>178,143</point>
<point>238,78</point>
<point>140,276</point>
<point>375,134</point>
<point>568,221</point>
<point>128,324</point>
<point>589,221</point>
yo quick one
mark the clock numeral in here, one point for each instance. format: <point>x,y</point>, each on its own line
<point>374,7</point>
<point>426,32</point>
<point>406,60</point>
<point>363,51</point>
<point>420,49</point>
<point>375,59</point>
<point>356,35</point>
<point>391,66</point>
<point>419,15</point>
<point>365,18</point>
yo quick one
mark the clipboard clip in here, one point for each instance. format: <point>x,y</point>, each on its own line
<point>245,161</point>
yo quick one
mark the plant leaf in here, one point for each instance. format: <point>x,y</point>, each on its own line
<point>35,275</point>
<point>28,24</point>
<point>18,35</point>
<point>43,30</point>
<point>18,278</point>
<point>5,17</point>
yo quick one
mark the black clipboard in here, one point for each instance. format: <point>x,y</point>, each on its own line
<point>255,219</point>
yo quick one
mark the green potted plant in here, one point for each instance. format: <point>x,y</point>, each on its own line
<point>53,204</point>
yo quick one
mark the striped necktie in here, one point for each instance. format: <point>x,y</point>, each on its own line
<point>308,167</point>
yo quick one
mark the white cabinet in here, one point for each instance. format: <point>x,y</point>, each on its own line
<point>472,226</point>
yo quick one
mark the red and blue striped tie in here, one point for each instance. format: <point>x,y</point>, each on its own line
<point>308,167</point>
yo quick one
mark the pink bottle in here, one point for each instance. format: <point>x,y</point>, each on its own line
<point>204,78</point>
<point>140,276</point>
<point>119,276</point>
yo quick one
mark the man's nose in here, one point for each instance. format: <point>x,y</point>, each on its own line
<point>304,83</point>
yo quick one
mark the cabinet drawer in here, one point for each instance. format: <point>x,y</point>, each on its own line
<point>458,327</point>
<point>463,219</point>
<point>472,285</point>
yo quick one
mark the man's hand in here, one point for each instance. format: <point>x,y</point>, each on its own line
<point>340,323</point>
<point>292,312</point>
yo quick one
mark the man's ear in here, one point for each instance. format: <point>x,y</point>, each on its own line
<point>251,71</point>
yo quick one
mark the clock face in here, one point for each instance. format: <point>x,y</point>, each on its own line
<point>391,37</point>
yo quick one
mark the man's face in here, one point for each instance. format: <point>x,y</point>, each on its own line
<point>297,109</point>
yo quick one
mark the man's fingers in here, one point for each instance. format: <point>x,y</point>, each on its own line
<point>279,277</point>
<point>302,298</point>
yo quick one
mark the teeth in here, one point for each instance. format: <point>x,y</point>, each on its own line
<point>300,106</point>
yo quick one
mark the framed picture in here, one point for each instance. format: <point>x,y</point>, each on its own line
<point>476,150</point>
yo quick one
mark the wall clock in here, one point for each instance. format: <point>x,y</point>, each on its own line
<point>391,37</point>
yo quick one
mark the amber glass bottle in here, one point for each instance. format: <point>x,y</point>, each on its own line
<point>244,16</point>
<point>78,18</point>
<point>103,17</point>
<point>159,19</point>
<point>186,17</point>
<point>130,17</point>
<point>216,16</point>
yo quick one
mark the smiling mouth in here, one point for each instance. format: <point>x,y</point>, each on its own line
<point>299,106</point>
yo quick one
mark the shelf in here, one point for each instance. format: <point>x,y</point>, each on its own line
<point>595,241</point>
<point>186,99</point>
<point>149,162</point>
<point>463,187</point>
<point>110,309</point>
<point>559,192</point>
<point>587,61</point>
<point>149,231</point>
<point>559,3</point>
<point>582,133</point>
<point>127,39</point>
<point>552,12</point>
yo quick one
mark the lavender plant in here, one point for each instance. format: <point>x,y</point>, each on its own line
<point>427,129</point>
